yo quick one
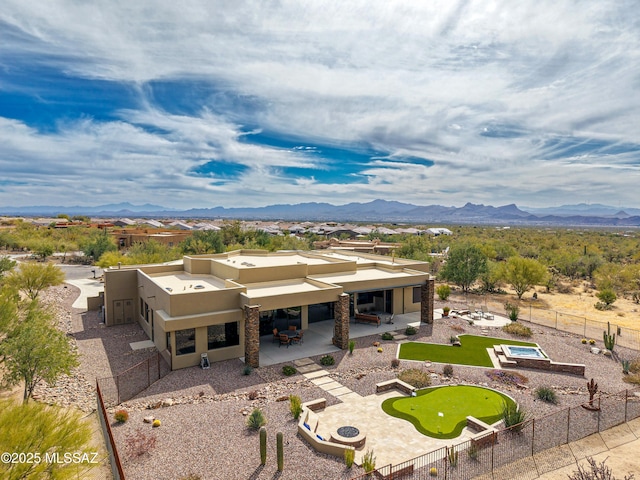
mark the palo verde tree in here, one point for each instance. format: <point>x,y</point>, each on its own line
<point>523,273</point>
<point>36,351</point>
<point>40,430</point>
<point>32,278</point>
<point>465,263</point>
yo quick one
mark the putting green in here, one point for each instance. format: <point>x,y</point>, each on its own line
<point>472,352</point>
<point>441,412</point>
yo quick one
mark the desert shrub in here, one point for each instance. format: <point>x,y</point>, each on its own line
<point>473,451</point>
<point>387,336</point>
<point>247,370</point>
<point>368,461</point>
<point>634,365</point>
<point>139,443</point>
<point>256,419</point>
<point>415,377</point>
<point>546,394</point>
<point>564,288</point>
<point>352,346</point>
<point>443,292</point>
<point>634,372</point>
<point>433,471</point>
<point>156,423</point>
<point>512,416</point>
<point>595,471</point>
<point>253,394</point>
<point>379,349</point>
<point>349,457</point>
<point>508,378</point>
<point>445,311</point>
<point>288,370</point>
<point>395,363</point>
<point>121,416</point>
<point>295,406</point>
<point>512,311</point>
<point>453,339</point>
<point>447,370</point>
<point>517,329</point>
<point>327,360</point>
<point>410,330</point>
<point>607,296</point>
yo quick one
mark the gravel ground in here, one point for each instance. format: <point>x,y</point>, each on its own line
<point>203,428</point>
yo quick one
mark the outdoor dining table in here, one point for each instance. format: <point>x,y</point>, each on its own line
<point>289,333</point>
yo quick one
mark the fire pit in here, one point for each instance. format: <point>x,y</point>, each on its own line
<point>349,435</point>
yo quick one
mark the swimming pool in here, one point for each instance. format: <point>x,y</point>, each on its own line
<point>515,351</point>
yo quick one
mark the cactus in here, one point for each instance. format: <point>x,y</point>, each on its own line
<point>280,450</point>
<point>626,364</point>
<point>452,455</point>
<point>263,446</point>
<point>592,386</point>
<point>609,339</point>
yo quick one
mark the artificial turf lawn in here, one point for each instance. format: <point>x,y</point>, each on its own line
<point>472,352</point>
<point>455,403</point>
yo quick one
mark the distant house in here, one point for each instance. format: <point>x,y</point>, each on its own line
<point>206,226</point>
<point>181,226</point>
<point>385,231</point>
<point>438,231</point>
<point>152,223</point>
<point>124,222</point>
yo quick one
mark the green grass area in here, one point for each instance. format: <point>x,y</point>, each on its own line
<point>441,412</point>
<point>472,352</point>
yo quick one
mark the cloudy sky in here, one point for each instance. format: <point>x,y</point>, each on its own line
<point>236,103</point>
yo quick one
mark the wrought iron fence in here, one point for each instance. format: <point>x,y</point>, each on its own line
<point>114,457</point>
<point>134,380</point>
<point>524,451</point>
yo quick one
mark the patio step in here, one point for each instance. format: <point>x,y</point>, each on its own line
<point>309,368</point>
<point>399,336</point>
<point>316,374</point>
<point>303,361</point>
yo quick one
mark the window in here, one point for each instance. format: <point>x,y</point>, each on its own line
<point>223,335</point>
<point>185,341</point>
<point>417,295</point>
<point>169,341</point>
<point>141,307</point>
<point>146,312</point>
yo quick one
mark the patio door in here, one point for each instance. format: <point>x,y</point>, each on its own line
<point>388,301</point>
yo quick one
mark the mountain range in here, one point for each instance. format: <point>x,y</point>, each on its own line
<point>374,211</point>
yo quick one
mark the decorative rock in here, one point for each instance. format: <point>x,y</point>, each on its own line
<point>167,402</point>
<point>148,419</point>
<point>595,350</point>
<point>282,398</point>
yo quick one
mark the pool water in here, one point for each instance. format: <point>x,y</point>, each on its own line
<point>529,352</point>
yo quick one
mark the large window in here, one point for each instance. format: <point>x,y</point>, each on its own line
<point>169,341</point>
<point>223,335</point>
<point>417,297</point>
<point>185,341</point>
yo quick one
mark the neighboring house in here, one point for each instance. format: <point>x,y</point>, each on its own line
<point>124,222</point>
<point>152,223</point>
<point>438,231</point>
<point>127,237</point>
<point>222,304</point>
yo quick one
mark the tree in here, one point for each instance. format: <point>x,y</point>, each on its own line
<point>98,244</point>
<point>6,264</point>
<point>36,351</point>
<point>523,273</point>
<point>32,278</point>
<point>595,471</point>
<point>607,296</point>
<point>490,279</point>
<point>41,430</point>
<point>464,265</point>
<point>8,311</point>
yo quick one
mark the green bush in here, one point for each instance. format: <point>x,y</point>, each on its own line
<point>415,377</point>
<point>247,370</point>
<point>121,416</point>
<point>352,346</point>
<point>410,330</point>
<point>295,406</point>
<point>546,394</point>
<point>517,329</point>
<point>447,370</point>
<point>387,336</point>
<point>395,363</point>
<point>443,292</point>
<point>512,311</point>
<point>368,461</point>
<point>256,419</point>
<point>327,360</point>
<point>349,457</point>
<point>288,370</point>
<point>513,417</point>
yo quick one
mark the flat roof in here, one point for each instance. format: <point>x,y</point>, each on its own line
<point>183,282</point>
<point>365,274</point>
<point>267,289</point>
<point>360,260</point>
<point>273,260</point>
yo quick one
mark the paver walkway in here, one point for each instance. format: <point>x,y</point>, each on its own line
<point>320,377</point>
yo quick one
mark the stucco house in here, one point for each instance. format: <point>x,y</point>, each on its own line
<point>221,304</point>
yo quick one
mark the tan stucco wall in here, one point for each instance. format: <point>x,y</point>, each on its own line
<point>120,284</point>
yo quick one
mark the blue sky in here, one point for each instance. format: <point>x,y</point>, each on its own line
<point>207,103</point>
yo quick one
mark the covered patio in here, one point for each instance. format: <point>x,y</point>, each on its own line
<point>318,338</point>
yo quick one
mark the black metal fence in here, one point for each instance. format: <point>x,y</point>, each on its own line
<point>114,457</point>
<point>134,380</point>
<point>524,451</point>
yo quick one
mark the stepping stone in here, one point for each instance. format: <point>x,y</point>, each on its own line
<point>316,374</point>
<point>401,336</point>
<point>353,396</point>
<point>340,391</point>
<point>331,386</point>
<point>309,368</point>
<point>302,361</point>
<point>321,381</point>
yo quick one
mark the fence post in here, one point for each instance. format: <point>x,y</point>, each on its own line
<point>568,422</point>
<point>118,387</point>
<point>599,412</point>
<point>556,319</point>
<point>533,435</point>
<point>626,402</point>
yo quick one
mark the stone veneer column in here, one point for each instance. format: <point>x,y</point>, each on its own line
<point>341,325</point>
<point>427,292</point>
<point>252,335</point>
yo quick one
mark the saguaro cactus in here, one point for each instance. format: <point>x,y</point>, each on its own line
<point>280,450</point>
<point>263,446</point>
<point>609,339</point>
<point>592,386</point>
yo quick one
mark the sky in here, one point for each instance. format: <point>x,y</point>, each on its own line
<point>240,104</point>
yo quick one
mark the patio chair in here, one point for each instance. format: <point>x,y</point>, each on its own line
<point>390,319</point>
<point>275,335</point>
<point>298,338</point>
<point>486,313</point>
<point>292,328</point>
<point>284,340</point>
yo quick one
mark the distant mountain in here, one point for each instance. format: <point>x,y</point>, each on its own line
<point>585,209</point>
<point>374,211</point>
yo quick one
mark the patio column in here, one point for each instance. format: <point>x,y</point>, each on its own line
<point>341,325</point>
<point>252,335</point>
<point>426,300</point>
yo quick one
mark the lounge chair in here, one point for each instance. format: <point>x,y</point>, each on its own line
<point>486,313</point>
